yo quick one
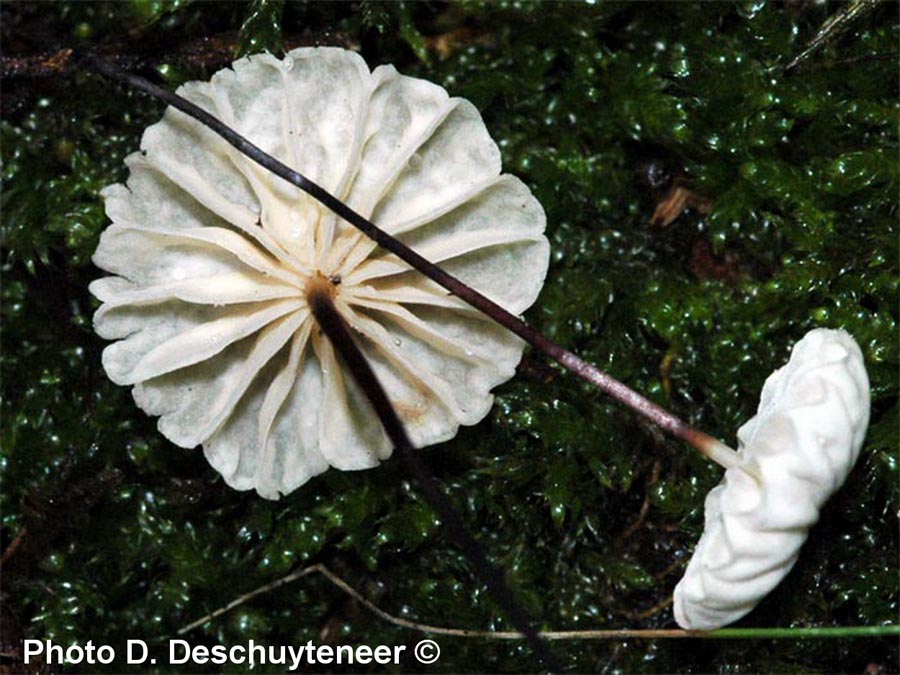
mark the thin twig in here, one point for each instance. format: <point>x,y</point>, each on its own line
<point>668,569</point>
<point>36,65</point>
<point>848,16</point>
<point>706,444</point>
<point>237,602</point>
<point>13,546</point>
<point>601,634</point>
<point>645,505</point>
<point>640,615</point>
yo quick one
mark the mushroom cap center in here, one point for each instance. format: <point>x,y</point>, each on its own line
<point>322,285</point>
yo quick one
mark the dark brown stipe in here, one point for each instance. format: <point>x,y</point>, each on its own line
<point>319,297</point>
<point>706,444</point>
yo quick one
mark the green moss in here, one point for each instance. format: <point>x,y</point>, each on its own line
<point>130,536</point>
<point>261,30</point>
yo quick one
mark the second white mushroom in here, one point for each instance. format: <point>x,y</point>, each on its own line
<point>792,456</point>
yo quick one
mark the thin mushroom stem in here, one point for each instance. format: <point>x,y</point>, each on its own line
<point>720,453</point>
<point>336,329</point>
<point>706,444</point>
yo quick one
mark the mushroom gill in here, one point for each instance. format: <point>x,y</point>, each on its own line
<point>214,259</point>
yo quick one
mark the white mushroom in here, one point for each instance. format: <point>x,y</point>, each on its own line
<point>792,456</point>
<point>213,257</point>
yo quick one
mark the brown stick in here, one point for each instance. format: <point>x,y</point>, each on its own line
<point>13,546</point>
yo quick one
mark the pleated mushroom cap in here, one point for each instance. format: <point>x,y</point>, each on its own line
<point>795,453</point>
<point>211,257</point>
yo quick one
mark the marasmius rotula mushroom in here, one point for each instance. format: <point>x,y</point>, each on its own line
<point>214,258</point>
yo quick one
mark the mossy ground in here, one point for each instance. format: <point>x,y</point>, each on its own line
<point>131,537</point>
